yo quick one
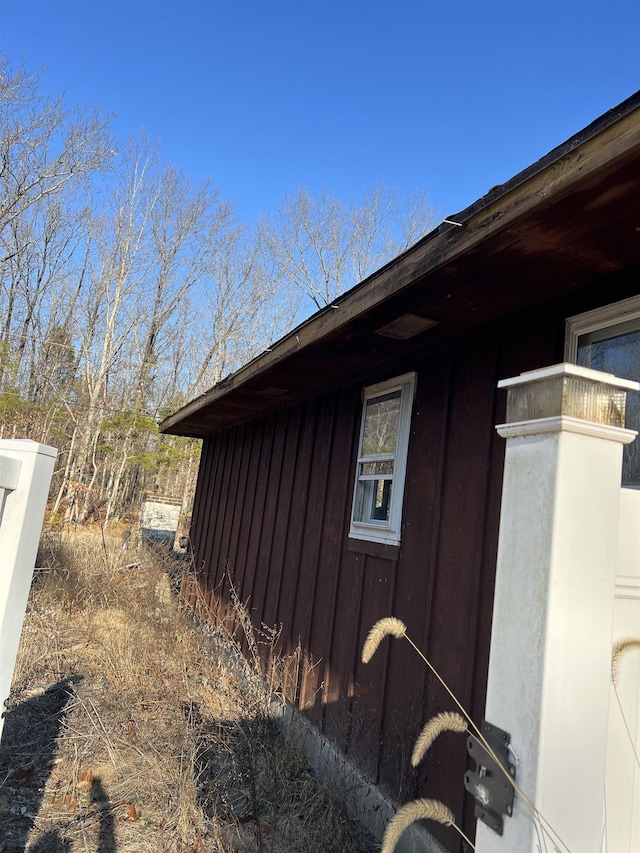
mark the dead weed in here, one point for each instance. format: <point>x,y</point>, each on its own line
<point>127,731</point>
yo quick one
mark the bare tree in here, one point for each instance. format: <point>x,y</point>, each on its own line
<point>44,146</point>
<point>321,245</point>
<point>48,153</point>
<point>118,261</point>
<point>126,288</point>
<point>150,249</point>
<point>187,230</point>
<point>240,309</point>
<point>36,287</point>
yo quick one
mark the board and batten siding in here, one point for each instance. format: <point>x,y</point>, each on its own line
<point>272,513</point>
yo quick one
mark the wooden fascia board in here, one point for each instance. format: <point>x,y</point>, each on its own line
<point>554,181</point>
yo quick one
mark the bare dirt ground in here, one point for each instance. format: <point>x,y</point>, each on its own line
<point>126,732</point>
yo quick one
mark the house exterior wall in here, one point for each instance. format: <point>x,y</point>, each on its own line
<point>272,510</point>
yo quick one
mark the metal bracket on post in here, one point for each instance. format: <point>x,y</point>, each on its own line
<point>491,782</point>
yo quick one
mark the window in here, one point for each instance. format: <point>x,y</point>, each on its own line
<point>608,339</point>
<point>382,459</point>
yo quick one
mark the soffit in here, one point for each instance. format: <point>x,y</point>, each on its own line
<point>574,219</point>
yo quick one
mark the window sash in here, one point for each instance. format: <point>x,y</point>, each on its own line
<point>584,332</point>
<point>377,497</point>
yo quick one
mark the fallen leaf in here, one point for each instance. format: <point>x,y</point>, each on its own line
<point>132,812</point>
<point>85,780</point>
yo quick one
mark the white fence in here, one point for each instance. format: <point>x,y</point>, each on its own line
<point>622,781</point>
<point>25,476</point>
<point>567,588</point>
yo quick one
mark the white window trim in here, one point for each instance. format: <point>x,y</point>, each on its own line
<point>387,532</point>
<point>626,311</point>
<point>593,321</point>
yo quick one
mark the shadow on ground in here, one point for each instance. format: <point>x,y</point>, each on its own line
<point>252,779</point>
<point>27,754</point>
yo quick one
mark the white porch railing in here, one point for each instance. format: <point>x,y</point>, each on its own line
<point>622,781</point>
<point>557,610</point>
<point>26,468</point>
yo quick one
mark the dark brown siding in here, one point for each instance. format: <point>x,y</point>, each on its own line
<point>272,512</point>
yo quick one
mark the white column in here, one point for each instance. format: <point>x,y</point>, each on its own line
<point>550,655</point>
<point>25,475</point>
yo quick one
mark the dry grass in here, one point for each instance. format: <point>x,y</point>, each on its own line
<point>128,732</point>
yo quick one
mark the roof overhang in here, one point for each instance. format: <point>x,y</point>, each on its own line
<point>568,219</point>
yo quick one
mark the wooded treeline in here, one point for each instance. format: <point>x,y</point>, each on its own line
<point>126,288</point>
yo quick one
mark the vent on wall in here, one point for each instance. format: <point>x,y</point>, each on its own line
<point>273,391</point>
<point>405,327</point>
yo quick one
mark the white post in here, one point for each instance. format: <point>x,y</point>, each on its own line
<point>549,669</point>
<point>25,476</point>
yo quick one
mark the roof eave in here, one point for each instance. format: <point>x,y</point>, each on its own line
<point>614,135</point>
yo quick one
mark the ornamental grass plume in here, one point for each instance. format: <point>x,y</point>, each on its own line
<point>417,810</point>
<point>448,721</point>
<point>391,625</point>
<point>383,628</point>
<point>620,649</point>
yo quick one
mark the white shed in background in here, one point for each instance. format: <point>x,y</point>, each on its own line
<point>159,520</point>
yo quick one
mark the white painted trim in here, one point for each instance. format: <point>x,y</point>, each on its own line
<point>564,423</point>
<point>628,586</point>
<point>389,385</point>
<point>387,533</point>
<point>600,318</point>
<point>25,447</point>
<point>368,533</point>
<point>568,369</point>
<point>9,473</point>
<point>628,564</point>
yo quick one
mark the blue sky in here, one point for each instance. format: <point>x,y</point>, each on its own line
<point>265,97</point>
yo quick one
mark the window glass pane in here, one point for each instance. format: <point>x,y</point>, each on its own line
<point>381,500</point>
<point>368,469</point>
<point>373,501</point>
<point>376,513</point>
<point>618,354</point>
<point>381,424</point>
